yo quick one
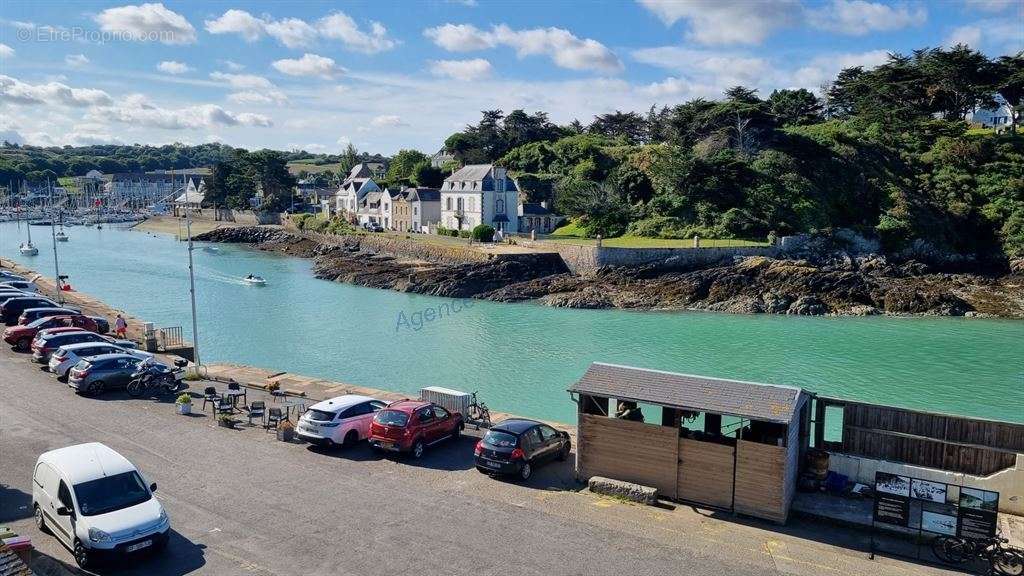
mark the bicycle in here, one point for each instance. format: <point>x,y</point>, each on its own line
<point>478,413</point>
<point>1004,560</point>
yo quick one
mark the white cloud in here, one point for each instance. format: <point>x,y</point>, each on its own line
<point>387,121</point>
<point>308,65</point>
<point>292,32</point>
<point>460,37</point>
<point>173,67</point>
<point>76,60</point>
<point>563,47</point>
<point>139,111</point>
<point>258,97</point>
<point>464,70</point>
<point>297,33</point>
<point>238,22</point>
<point>6,51</point>
<point>722,69</point>
<point>147,22</point>
<point>991,5</point>
<point>858,17</point>
<point>718,22</point>
<point>242,81</point>
<point>307,147</point>
<point>18,92</point>
<point>339,26</point>
<point>995,35</point>
<point>233,66</point>
<point>969,35</point>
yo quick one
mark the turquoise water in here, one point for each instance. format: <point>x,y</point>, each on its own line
<point>522,357</point>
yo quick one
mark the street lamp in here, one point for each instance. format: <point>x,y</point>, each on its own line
<point>191,274</point>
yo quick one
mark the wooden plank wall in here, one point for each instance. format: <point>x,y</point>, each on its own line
<point>760,480</point>
<point>705,472</point>
<point>630,451</point>
<point>875,431</point>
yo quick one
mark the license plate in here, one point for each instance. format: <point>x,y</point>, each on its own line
<point>387,445</point>
<point>139,546</point>
<point>307,429</point>
<point>492,464</point>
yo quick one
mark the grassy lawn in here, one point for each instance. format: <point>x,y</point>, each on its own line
<point>642,242</point>
<point>297,167</point>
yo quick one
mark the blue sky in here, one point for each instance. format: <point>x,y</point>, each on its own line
<point>391,75</point>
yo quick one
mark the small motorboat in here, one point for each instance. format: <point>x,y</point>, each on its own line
<point>255,280</point>
<point>28,249</point>
<point>211,249</point>
<point>61,237</point>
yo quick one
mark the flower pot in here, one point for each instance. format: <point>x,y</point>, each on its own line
<point>285,434</point>
<point>184,408</point>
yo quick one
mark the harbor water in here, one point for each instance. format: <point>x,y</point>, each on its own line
<point>522,357</point>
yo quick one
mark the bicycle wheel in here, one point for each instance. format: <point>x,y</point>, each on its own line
<point>951,549</point>
<point>135,387</point>
<point>1008,562</point>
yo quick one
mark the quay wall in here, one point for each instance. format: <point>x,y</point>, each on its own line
<point>584,260</point>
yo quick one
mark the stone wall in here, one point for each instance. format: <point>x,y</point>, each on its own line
<point>583,260</point>
<point>401,247</point>
<point>240,217</point>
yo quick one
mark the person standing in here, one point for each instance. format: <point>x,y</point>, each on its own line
<point>120,326</point>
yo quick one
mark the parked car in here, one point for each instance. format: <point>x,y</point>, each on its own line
<point>344,420</point>
<point>516,446</point>
<point>46,342</point>
<point>102,324</point>
<point>410,426</point>
<point>66,357</point>
<point>95,375</point>
<point>373,227</point>
<point>97,504</point>
<point>32,314</point>
<point>12,308</point>
<point>8,293</point>
<point>7,276</point>
<point>21,336</point>
<point>23,285</point>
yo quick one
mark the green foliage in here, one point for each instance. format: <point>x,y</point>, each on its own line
<point>423,174</point>
<point>483,233</point>
<point>400,171</point>
<point>442,231</point>
<point>183,398</point>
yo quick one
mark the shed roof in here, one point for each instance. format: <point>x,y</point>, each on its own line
<point>11,565</point>
<point>765,402</point>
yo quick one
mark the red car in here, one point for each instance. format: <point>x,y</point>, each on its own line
<point>409,426</point>
<point>21,336</point>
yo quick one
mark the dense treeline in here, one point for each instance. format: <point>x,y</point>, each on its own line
<point>885,151</point>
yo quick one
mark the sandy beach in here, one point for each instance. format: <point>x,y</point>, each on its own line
<point>176,226</point>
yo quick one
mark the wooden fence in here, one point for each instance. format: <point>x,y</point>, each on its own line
<point>630,451</point>
<point>705,472</point>
<point>942,441</point>
<point>761,489</point>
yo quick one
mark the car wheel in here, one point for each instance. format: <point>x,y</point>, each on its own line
<point>350,439</point>
<point>40,520</point>
<point>94,388</point>
<point>457,432</point>
<point>526,471</point>
<point>81,555</point>
<point>417,449</point>
<point>24,344</point>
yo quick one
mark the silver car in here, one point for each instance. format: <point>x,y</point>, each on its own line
<point>66,357</point>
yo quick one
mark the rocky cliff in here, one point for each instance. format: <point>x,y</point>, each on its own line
<point>819,283</point>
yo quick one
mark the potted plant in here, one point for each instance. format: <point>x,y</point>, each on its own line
<point>285,431</point>
<point>184,403</point>
<point>226,422</point>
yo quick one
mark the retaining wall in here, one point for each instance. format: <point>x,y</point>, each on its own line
<point>401,247</point>
<point>240,217</point>
<point>583,260</point>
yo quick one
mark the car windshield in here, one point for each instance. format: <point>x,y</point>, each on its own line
<point>38,322</point>
<point>500,439</point>
<point>320,415</point>
<point>111,493</point>
<point>392,418</point>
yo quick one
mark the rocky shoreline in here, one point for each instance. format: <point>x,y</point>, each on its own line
<point>832,282</point>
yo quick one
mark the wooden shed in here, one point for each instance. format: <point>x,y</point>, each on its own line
<point>720,443</point>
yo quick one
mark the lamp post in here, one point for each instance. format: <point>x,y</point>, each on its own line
<point>191,275</point>
<point>56,264</point>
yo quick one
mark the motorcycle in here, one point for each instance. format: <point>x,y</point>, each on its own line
<point>149,375</point>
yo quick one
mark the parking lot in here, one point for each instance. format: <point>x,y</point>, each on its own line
<point>242,502</point>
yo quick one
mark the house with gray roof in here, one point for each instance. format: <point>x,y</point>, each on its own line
<point>354,189</point>
<point>480,194</point>
<point>536,217</point>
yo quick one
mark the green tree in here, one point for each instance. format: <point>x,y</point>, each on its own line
<point>402,165</point>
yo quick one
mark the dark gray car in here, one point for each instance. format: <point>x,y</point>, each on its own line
<point>95,375</point>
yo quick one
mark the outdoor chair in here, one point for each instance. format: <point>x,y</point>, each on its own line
<point>258,409</point>
<point>210,396</point>
<point>224,405</point>
<point>236,387</point>
<point>274,417</point>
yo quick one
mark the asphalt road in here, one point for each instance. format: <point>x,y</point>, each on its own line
<point>241,502</point>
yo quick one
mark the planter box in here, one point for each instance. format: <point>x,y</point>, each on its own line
<point>184,408</point>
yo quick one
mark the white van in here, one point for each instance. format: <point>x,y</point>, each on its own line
<point>97,504</point>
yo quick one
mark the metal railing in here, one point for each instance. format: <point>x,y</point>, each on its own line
<point>170,337</point>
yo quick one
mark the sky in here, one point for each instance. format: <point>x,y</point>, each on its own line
<point>389,75</point>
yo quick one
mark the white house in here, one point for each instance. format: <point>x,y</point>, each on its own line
<point>354,189</point>
<point>375,208</point>
<point>538,218</point>
<point>480,194</point>
<point>1000,117</point>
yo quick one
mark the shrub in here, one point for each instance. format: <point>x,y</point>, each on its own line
<point>463,233</point>
<point>483,233</point>
<point>184,398</point>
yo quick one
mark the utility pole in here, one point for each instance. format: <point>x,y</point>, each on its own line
<point>191,273</point>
